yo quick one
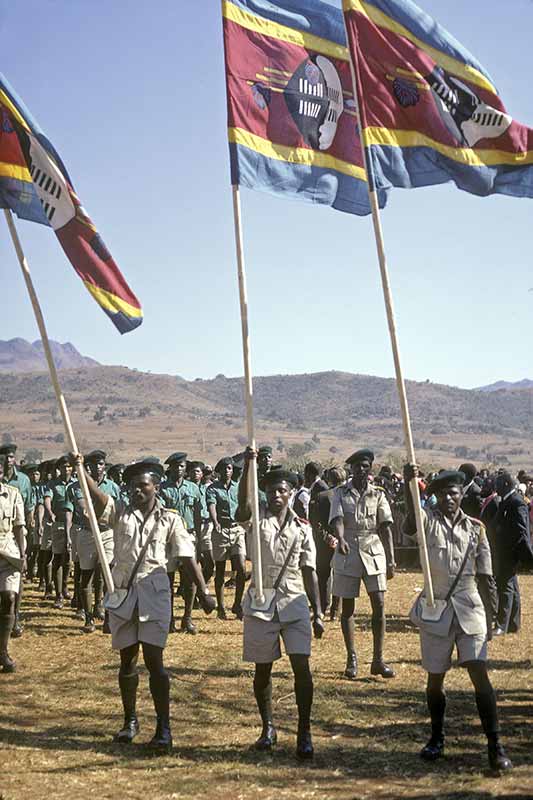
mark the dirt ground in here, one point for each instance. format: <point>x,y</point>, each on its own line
<point>59,711</point>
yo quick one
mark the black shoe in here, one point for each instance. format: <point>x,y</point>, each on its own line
<point>433,749</point>
<point>7,663</point>
<point>58,602</point>
<point>98,612</point>
<point>17,631</point>
<point>207,603</point>
<point>89,626</point>
<point>161,741</point>
<point>187,626</point>
<point>237,610</point>
<point>380,668</point>
<point>351,667</point>
<point>221,613</point>
<point>74,602</point>
<point>127,734</point>
<point>268,737</point>
<point>66,595</point>
<point>498,760</point>
<point>172,627</point>
<point>304,746</point>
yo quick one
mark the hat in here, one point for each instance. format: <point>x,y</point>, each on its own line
<point>61,460</point>
<point>176,457</point>
<point>265,450</point>
<point>448,477</point>
<point>32,468</point>
<point>196,465</point>
<point>360,455</point>
<point>239,460</point>
<point>276,475</point>
<point>223,462</point>
<point>149,465</point>
<point>96,455</point>
<point>8,448</point>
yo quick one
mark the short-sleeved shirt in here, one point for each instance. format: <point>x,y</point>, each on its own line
<point>447,545</point>
<point>37,495</point>
<point>226,500</point>
<point>291,599</point>
<point>203,502</point>
<point>21,482</point>
<point>57,490</point>
<point>363,512</point>
<point>183,498</point>
<point>11,517</point>
<point>75,497</point>
<point>171,540</point>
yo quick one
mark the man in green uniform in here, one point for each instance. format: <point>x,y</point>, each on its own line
<point>206,545</point>
<point>45,547</point>
<point>361,519</point>
<point>227,536</point>
<point>35,519</point>
<point>183,496</point>
<point>288,559</point>
<point>58,511</point>
<point>460,562</point>
<point>90,571</point>
<point>12,556</point>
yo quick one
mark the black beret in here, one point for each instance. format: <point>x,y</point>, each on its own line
<point>239,460</point>
<point>448,477</point>
<point>61,460</point>
<point>8,448</point>
<point>176,457</point>
<point>223,462</point>
<point>31,468</point>
<point>360,455</point>
<point>149,465</point>
<point>96,455</point>
<point>265,450</point>
<point>276,475</point>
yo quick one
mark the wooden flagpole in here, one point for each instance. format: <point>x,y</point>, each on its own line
<point>248,389</point>
<point>391,320</point>
<point>60,397</point>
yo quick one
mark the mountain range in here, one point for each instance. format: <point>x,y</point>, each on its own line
<point>19,355</point>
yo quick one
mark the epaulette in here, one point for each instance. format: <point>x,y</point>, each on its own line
<point>379,488</point>
<point>302,522</point>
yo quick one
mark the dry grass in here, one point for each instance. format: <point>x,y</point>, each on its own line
<point>59,711</point>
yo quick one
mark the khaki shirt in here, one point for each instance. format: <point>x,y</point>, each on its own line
<point>11,517</point>
<point>447,545</point>
<point>291,599</point>
<point>170,540</point>
<point>363,514</point>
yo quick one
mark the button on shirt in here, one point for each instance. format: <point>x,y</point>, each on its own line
<point>183,498</point>
<point>226,500</point>
<point>291,599</point>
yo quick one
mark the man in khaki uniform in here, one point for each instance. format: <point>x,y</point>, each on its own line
<point>282,535</point>
<point>12,554</point>
<point>144,616</point>
<point>453,539</point>
<point>361,520</point>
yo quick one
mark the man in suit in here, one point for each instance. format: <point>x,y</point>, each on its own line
<point>512,544</point>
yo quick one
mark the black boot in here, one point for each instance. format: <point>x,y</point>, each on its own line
<point>351,666</point>
<point>303,689</point>
<point>188,626</point>
<point>378,666</point>
<point>498,759</point>
<point>128,690</point>
<point>89,626</point>
<point>6,625</point>
<point>347,627</point>
<point>436,700</point>
<point>434,748</point>
<point>263,697</point>
<point>160,689</point>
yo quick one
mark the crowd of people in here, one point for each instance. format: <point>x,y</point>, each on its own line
<point>321,535</point>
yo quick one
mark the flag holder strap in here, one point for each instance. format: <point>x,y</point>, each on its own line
<point>253,488</point>
<point>387,295</point>
<point>106,571</point>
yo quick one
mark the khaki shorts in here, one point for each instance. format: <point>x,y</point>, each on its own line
<point>86,548</point>
<point>437,650</point>
<point>46,540</point>
<point>125,633</point>
<point>350,587</point>
<point>206,543</point>
<point>261,639</point>
<point>59,538</point>
<point>9,577</point>
<point>229,542</point>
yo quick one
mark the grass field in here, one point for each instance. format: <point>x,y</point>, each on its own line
<point>58,713</point>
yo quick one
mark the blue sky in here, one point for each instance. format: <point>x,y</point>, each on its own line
<point>132,95</point>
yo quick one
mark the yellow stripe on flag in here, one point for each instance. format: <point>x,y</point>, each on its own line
<point>111,302</point>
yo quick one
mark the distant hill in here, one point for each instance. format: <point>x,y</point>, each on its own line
<point>323,416</point>
<point>18,355</point>
<point>526,383</point>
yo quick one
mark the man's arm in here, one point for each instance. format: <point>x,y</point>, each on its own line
<point>99,498</point>
<point>385,534</point>
<point>313,595</point>
<point>244,509</point>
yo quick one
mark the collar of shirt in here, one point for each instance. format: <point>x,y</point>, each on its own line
<point>349,487</point>
<point>273,519</point>
<point>156,512</point>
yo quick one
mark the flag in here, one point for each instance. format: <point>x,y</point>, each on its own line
<point>429,109</point>
<point>291,111</point>
<point>35,185</point>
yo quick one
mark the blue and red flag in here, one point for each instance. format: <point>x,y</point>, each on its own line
<point>429,110</point>
<point>291,110</point>
<point>35,185</point>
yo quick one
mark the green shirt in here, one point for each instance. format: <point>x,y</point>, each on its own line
<point>58,491</point>
<point>75,496</point>
<point>226,500</point>
<point>21,482</point>
<point>184,499</point>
